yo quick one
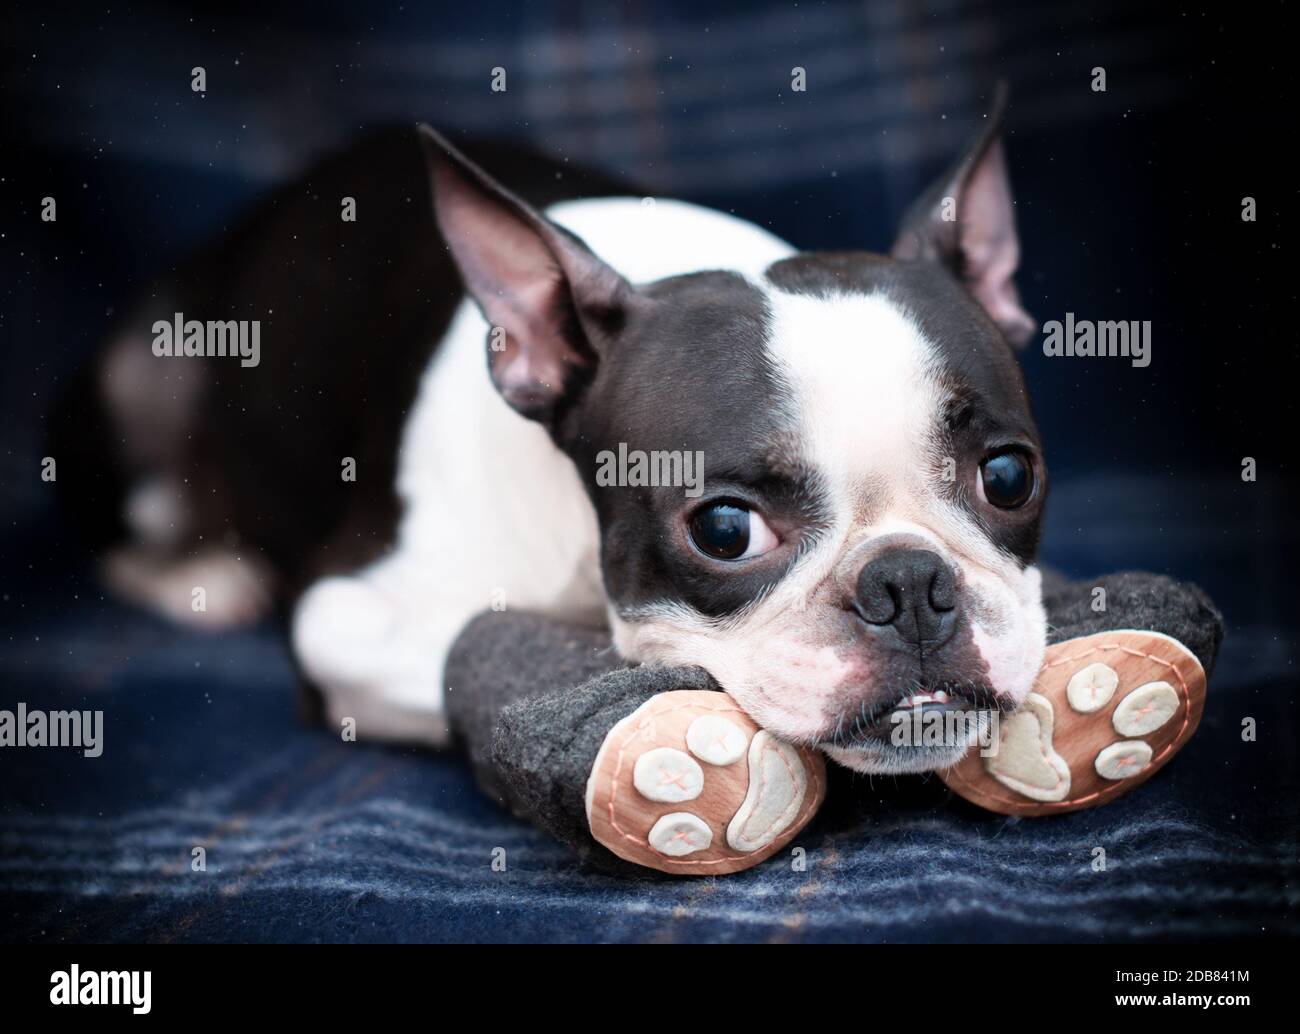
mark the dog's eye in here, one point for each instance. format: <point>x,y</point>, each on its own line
<point>1007,479</point>
<point>727,531</point>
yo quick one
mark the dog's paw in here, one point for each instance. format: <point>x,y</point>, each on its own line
<point>211,589</point>
<point>689,784</point>
<point>1108,710</point>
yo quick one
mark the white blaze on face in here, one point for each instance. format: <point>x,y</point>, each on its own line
<point>865,397</point>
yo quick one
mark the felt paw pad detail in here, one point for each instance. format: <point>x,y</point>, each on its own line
<point>1027,761</point>
<point>1091,688</point>
<point>1108,711</point>
<point>778,784</point>
<point>713,739</point>
<point>665,774</point>
<point>1123,759</point>
<point>680,833</point>
<point>689,784</point>
<point>1146,709</point>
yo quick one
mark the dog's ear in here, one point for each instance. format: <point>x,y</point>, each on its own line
<point>550,302</point>
<point>966,221</point>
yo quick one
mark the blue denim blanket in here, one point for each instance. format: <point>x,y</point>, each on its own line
<point>310,838</point>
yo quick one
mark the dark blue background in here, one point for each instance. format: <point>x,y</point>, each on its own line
<point>1129,208</point>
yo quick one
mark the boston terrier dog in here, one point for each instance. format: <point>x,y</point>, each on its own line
<point>406,454</point>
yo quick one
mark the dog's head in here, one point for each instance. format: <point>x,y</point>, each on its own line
<point>862,541</point>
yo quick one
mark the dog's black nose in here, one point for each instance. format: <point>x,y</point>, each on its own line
<point>911,591</point>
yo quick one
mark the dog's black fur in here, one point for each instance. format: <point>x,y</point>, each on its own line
<point>351,313</point>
